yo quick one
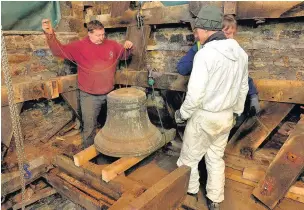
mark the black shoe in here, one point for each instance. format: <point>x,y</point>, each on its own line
<point>213,205</point>
<point>195,195</point>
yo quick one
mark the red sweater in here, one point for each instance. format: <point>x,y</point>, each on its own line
<point>96,63</point>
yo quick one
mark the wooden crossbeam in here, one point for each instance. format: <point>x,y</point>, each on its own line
<point>85,155</point>
<point>284,169</point>
<point>289,91</point>
<point>254,131</point>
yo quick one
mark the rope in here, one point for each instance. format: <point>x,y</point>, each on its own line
<point>14,116</point>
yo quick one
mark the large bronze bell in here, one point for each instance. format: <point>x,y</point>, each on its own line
<point>128,130</point>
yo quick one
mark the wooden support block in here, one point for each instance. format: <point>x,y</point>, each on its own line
<point>85,155</point>
<point>168,193</point>
<point>95,194</point>
<point>254,131</point>
<point>295,192</point>
<point>67,165</point>
<point>10,182</point>
<point>284,169</point>
<point>46,192</point>
<point>140,38</point>
<point>119,166</point>
<point>72,193</point>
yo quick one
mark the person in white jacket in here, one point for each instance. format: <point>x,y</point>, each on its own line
<point>217,89</point>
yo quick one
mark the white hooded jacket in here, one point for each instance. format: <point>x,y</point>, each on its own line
<point>219,79</point>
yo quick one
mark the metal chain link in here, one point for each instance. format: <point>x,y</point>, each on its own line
<point>14,115</point>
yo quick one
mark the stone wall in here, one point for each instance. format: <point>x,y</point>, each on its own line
<point>29,53</point>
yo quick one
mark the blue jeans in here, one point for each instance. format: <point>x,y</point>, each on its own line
<point>90,106</point>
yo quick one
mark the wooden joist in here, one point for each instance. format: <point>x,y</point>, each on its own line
<point>152,16</point>
<point>284,169</point>
<point>31,89</point>
<point>83,187</point>
<point>289,91</point>
<point>66,165</point>
<point>10,182</point>
<point>73,193</point>
<point>255,130</point>
<point>237,176</point>
<point>168,193</point>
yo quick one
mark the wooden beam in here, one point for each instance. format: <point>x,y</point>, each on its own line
<point>71,98</point>
<point>289,91</point>
<point>254,131</point>
<point>83,187</point>
<point>72,193</point>
<point>168,193</point>
<point>46,192</point>
<point>236,175</point>
<point>119,167</point>
<point>35,89</point>
<point>66,165</point>
<point>10,182</point>
<point>284,169</point>
<point>152,16</point>
<point>256,174</point>
<point>140,38</point>
<point>85,155</point>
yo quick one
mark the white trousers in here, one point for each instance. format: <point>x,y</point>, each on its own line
<point>206,134</point>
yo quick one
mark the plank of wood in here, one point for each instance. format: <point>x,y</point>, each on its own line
<point>168,193</point>
<point>140,38</point>
<point>10,182</point>
<point>85,155</point>
<point>152,16</point>
<point>72,193</point>
<point>236,175</point>
<point>46,192</point>
<point>95,194</point>
<point>254,131</point>
<point>67,165</point>
<point>119,7</point>
<point>284,169</point>
<point>119,166</point>
<point>255,174</point>
<point>289,91</point>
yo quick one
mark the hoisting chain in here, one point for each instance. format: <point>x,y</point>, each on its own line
<point>14,115</point>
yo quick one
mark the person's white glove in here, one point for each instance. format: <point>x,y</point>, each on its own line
<point>178,117</point>
<point>254,102</point>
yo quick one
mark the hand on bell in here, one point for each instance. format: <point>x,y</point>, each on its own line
<point>178,117</point>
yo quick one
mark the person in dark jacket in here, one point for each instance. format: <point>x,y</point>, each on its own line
<point>184,66</point>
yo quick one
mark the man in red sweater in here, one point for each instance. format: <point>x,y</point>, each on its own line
<point>96,58</point>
